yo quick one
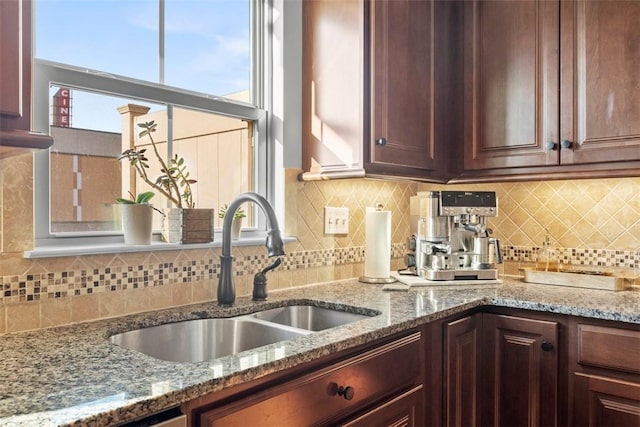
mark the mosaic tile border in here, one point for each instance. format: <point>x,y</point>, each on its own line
<point>36,287</point>
<point>589,257</point>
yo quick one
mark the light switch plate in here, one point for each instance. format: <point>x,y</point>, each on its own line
<point>336,220</point>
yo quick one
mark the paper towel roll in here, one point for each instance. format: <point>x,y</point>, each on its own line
<point>377,246</point>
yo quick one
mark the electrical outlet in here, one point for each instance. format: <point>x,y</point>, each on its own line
<point>336,220</point>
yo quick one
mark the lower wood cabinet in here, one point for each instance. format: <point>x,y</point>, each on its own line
<point>463,366</point>
<point>501,370</point>
<point>379,386</point>
<point>406,410</point>
<point>605,401</point>
<point>521,371</point>
<point>606,378</point>
<point>511,367</point>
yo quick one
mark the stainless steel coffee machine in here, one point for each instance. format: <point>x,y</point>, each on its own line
<point>451,240</point>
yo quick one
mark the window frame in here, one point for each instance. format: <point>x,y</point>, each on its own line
<point>47,73</point>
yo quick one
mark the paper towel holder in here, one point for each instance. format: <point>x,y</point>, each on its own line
<point>376,280</point>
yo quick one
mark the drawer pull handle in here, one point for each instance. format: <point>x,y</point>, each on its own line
<point>346,392</point>
<point>547,346</point>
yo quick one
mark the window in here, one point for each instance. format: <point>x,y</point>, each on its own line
<point>103,66</point>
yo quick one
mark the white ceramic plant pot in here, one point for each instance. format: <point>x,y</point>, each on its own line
<point>137,220</point>
<point>172,225</point>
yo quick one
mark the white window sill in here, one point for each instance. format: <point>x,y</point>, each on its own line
<point>75,247</point>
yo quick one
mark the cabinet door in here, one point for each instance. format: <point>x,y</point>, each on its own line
<point>401,93</point>
<point>333,86</point>
<point>15,53</point>
<point>15,81</point>
<point>405,410</point>
<point>462,371</point>
<point>511,83</point>
<point>600,93</point>
<point>602,401</point>
<point>412,97</point>
<point>521,360</point>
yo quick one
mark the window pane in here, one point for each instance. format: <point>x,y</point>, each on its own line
<point>114,36</point>
<point>86,175</point>
<point>217,153</point>
<point>208,45</point>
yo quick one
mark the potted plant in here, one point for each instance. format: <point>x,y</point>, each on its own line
<point>236,223</point>
<point>184,223</point>
<point>137,218</point>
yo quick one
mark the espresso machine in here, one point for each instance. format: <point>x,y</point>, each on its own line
<point>451,240</point>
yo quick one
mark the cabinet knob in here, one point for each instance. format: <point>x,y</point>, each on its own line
<point>346,392</point>
<point>549,145</point>
<point>565,143</point>
<point>547,346</point>
<point>381,141</point>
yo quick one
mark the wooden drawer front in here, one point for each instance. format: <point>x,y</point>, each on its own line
<point>313,399</point>
<point>405,410</point>
<point>611,348</point>
<point>602,401</point>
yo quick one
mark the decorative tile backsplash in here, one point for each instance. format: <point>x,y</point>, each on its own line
<point>590,222</point>
<point>40,286</point>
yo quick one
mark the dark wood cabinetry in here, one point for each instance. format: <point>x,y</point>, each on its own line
<point>414,96</point>
<point>553,85</point>
<point>381,385</point>
<point>606,377</point>
<point>511,367</point>
<point>15,81</point>
<point>501,370</point>
<point>463,368</point>
<point>380,92</point>
<point>521,379</point>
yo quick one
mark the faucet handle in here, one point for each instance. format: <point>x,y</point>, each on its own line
<point>260,281</point>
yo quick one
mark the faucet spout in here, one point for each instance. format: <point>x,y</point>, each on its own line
<point>274,243</point>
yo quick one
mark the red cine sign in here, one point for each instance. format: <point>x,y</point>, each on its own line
<point>62,107</point>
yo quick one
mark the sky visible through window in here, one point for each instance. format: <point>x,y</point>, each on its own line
<point>207,47</point>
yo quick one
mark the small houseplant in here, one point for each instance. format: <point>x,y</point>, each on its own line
<point>183,223</point>
<point>174,182</point>
<point>236,224</point>
<point>137,218</point>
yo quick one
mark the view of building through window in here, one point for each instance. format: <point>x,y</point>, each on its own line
<point>207,45</point>
<point>87,175</point>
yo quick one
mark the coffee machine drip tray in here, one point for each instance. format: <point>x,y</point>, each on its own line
<point>460,274</point>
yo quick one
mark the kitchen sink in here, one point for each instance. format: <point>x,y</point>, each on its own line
<point>206,339</point>
<point>308,317</point>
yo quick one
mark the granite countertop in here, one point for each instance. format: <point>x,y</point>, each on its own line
<point>74,376</point>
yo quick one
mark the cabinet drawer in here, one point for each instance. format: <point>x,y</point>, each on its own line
<point>331,393</point>
<point>611,348</point>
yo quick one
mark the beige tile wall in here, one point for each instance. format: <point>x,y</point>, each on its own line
<point>599,214</point>
<point>590,213</point>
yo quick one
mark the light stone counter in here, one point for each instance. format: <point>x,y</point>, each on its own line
<point>73,376</point>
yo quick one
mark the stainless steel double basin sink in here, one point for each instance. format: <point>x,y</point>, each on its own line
<point>206,339</point>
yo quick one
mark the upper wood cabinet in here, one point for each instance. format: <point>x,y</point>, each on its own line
<point>551,84</point>
<point>414,94</point>
<point>379,88</point>
<point>600,81</point>
<point>15,81</point>
<point>333,89</point>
